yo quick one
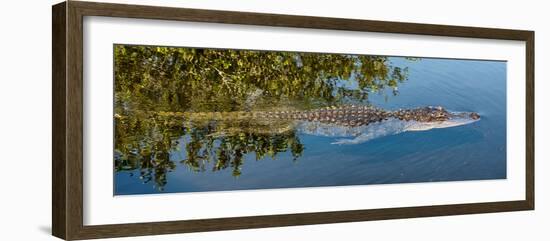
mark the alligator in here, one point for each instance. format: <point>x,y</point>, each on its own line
<point>361,122</point>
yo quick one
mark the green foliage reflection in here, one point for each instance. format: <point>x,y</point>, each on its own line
<point>155,79</point>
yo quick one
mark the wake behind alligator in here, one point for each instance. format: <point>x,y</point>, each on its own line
<point>361,123</point>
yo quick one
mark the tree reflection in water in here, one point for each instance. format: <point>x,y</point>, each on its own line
<point>151,80</point>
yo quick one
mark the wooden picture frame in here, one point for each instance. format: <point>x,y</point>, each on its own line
<point>67,150</point>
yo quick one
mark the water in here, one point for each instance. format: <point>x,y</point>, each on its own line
<point>475,151</point>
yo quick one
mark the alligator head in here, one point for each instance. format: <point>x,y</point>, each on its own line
<point>435,117</point>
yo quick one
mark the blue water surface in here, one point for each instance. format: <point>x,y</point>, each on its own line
<point>475,151</point>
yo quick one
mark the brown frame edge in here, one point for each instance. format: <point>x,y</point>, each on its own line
<point>67,122</point>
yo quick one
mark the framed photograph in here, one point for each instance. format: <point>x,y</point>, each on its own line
<point>171,120</point>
